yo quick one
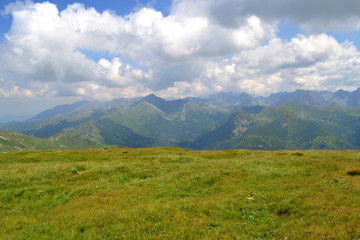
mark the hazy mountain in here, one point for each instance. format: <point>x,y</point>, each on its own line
<point>273,128</point>
<point>219,100</point>
<point>105,131</point>
<point>167,129</point>
<point>306,97</point>
<point>345,98</point>
<point>221,121</point>
<point>340,120</point>
<point>226,99</point>
<point>315,98</point>
<point>44,128</point>
<point>150,121</point>
<point>68,110</point>
<point>62,110</point>
<point>165,106</point>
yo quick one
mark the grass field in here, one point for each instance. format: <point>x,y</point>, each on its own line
<point>173,193</point>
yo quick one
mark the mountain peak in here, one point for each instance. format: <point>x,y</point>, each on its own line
<point>163,105</point>
<point>153,99</point>
<point>61,110</point>
<point>340,91</point>
<point>151,95</point>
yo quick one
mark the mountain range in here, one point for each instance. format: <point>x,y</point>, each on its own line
<point>302,119</point>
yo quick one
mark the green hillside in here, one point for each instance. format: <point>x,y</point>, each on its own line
<point>291,126</point>
<point>173,193</point>
<point>342,121</point>
<point>14,140</point>
<point>19,141</point>
<point>219,123</point>
<point>167,129</point>
<point>143,125</point>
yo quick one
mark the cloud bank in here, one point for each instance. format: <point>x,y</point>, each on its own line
<point>313,16</point>
<point>202,46</point>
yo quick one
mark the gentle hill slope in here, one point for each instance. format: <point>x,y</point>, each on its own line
<point>172,193</point>
<point>19,141</point>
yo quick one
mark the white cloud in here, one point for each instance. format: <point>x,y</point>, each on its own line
<point>9,89</point>
<point>46,45</point>
<point>315,62</point>
<point>201,47</point>
<point>120,74</point>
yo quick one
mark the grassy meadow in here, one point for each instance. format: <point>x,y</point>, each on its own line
<point>173,193</point>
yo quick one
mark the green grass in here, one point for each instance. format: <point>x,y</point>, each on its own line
<point>173,193</point>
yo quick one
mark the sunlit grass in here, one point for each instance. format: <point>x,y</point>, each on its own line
<point>172,193</point>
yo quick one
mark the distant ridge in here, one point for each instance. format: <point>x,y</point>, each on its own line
<point>302,119</point>
<point>59,110</point>
<point>315,98</point>
<point>165,106</point>
<point>306,97</point>
<point>275,128</point>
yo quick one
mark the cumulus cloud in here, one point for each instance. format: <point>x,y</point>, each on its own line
<point>316,62</point>
<point>202,46</point>
<point>45,44</point>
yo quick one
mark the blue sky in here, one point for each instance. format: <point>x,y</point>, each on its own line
<point>120,7</point>
<point>60,52</point>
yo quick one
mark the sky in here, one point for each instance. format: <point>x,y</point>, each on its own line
<point>61,51</point>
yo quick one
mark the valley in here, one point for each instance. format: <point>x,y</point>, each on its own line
<point>298,120</point>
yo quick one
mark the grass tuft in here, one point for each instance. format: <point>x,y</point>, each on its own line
<point>77,169</point>
<point>353,172</point>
